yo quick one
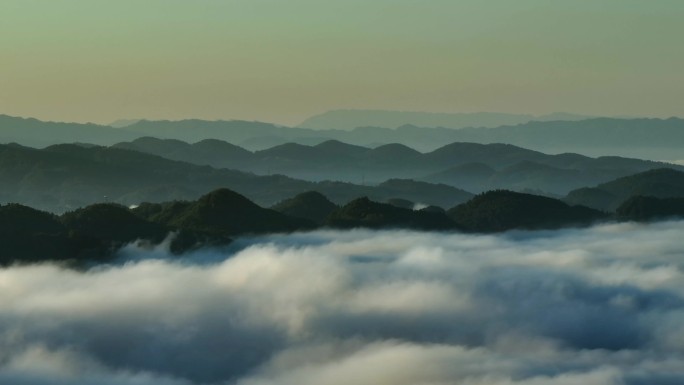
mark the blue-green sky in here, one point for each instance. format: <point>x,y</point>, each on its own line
<point>283,60</point>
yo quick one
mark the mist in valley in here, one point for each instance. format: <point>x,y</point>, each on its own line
<point>601,305</point>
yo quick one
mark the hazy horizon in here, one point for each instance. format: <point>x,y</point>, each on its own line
<point>283,62</point>
<point>128,119</point>
<point>331,192</point>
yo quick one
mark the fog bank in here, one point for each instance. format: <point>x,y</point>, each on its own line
<point>603,305</point>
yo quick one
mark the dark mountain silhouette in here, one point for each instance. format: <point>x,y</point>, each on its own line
<point>495,155</point>
<point>328,152</point>
<point>392,152</point>
<point>291,152</point>
<point>659,183</point>
<point>164,147</point>
<point>310,205</point>
<point>339,149</point>
<point>470,166</point>
<point>363,212</point>
<point>340,192</point>
<point>96,232</point>
<point>65,177</point>
<point>391,160</point>
<point>222,212</point>
<point>16,218</point>
<point>646,208</point>
<point>91,234</point>
<point>210,152</point>
<point>502,210</point>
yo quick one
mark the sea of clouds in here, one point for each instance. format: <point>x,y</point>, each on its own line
<point>594,306</point>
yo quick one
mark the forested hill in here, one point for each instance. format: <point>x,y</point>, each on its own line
<point>94,233</point>
<point>659,183</point>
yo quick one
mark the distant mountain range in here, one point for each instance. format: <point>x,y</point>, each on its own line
<point>660,183</point>
<point>469,166</point>
<point>64,177</point>
<point>660,139</point>
<point>351,119</point>
<point>37,133</point>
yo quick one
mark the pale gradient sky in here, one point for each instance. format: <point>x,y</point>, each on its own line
<point>283,60</point>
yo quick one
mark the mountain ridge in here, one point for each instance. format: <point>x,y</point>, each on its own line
<point>65,177</point>
<point>348,119</point>
<point>650,138</point>
<point>513,167</point>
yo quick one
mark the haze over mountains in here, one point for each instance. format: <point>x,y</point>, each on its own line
<point>351,119</point>
<point>657,139</point>
<point>137,169</point>
<point>65,177</point>
<point>660,183</point>
<point>470,166</point>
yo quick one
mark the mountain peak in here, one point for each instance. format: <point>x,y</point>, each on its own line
<point>224,198</point>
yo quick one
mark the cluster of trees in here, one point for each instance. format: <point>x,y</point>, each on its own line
<point>97,231</point>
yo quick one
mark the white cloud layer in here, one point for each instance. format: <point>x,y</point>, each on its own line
<point>594,306</point>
